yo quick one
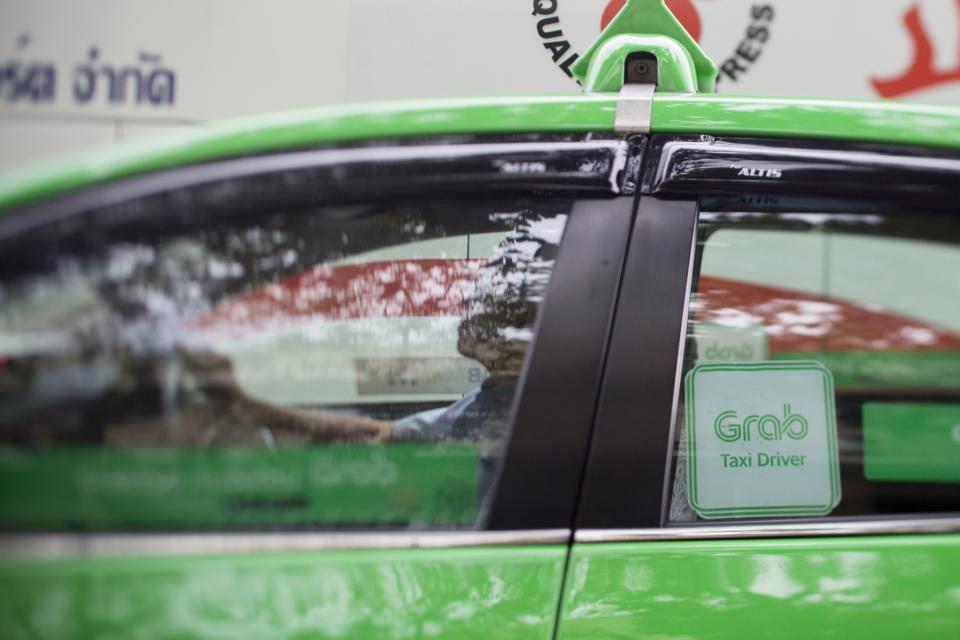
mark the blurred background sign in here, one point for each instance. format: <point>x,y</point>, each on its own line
<point>86,72</point>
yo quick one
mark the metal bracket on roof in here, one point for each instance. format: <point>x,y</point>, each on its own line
<point>641,73</point>
<point>634,108</point>
<point>635,100</point>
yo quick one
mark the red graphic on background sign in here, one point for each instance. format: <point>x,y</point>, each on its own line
<point>922,74</point>
<point>684,11</point>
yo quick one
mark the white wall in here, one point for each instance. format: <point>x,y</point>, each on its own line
<point>235,57</point>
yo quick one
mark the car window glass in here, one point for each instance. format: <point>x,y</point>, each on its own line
<point>351,365</point>
<point>872,300</point>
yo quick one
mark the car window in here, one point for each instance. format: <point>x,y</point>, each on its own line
<point>822,367</point>
<point>343,365</point>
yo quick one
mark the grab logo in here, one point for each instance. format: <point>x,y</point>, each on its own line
<point>761,439</point>
<point>728,427</point>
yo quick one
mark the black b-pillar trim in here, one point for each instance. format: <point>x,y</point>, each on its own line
<point>540,480</point>
<point>626,470</point>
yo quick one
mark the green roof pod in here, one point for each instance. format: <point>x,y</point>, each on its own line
<point>650,26</point>
<point>675,68</point>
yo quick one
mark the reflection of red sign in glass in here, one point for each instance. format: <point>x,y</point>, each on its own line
<point>684,10</point>
<point>922,74</point>
<point>386,289</point>
<point>808,323</point>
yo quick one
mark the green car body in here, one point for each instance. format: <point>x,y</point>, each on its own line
<point>765,586</point>
<point>881,587</point>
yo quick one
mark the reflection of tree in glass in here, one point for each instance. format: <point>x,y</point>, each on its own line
<point>499,318</point>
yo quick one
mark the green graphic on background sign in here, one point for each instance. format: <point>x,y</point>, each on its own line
<point>761,440</point>
<point>911,442</point>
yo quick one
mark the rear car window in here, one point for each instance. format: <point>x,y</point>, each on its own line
<point>350,365</point>
<point>822,367</point>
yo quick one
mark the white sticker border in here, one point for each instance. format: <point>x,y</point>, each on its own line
<point>765,511</point>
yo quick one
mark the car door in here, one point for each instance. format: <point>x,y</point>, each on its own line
<point>326,392</point>
<point>776,452</point>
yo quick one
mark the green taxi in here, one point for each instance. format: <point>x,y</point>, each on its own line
<point>646,362</point>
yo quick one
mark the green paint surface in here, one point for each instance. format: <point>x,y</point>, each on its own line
<point>650,18</point>
<point>675,68</point>
<point>911,442</point>
<point>335,485</point>
<point>869,587</point>
<point>494,592</point>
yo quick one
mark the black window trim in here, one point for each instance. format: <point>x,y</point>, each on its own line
<point>539,482</point>
<point>551,163</point>
<point>706,165</point>
<point>627,470</point>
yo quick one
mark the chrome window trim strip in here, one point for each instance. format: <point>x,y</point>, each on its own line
<point>65,545</point>
<point>825,529</point>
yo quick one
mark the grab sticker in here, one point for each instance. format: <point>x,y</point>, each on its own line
<point>761,440</point>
